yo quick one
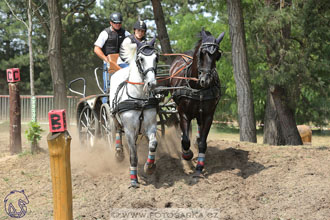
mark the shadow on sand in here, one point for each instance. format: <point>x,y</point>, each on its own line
<point>171,168</point>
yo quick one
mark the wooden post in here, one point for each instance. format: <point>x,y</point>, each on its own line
<point>59,152</point>
<point>15,140</point>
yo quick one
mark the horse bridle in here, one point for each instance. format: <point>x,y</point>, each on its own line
<point>150,50</point>
<point>211,48</point>
<point>138,59</point>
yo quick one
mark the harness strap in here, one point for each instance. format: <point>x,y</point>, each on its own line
<point>199,95</point>
<point>141,83</point>
<point>135,83</point>
<point>177,54</point>
<point>141,119</point>
<point>114,101</point>
<point>160,78</point>
<point>135,105</point>
<point>178,77</point>
<point>200,106</point>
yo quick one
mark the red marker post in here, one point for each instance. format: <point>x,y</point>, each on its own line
<point>59,141</point>
<point>13,75</point>
<point>57,120</point>
<point>15,140</point>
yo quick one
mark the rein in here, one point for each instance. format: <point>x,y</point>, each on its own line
<point>134,83</point>
<point>174,76</point>
<point>140,69</point>
<point>177,54</point>
<point>178,77</point>
<point>188,61</point>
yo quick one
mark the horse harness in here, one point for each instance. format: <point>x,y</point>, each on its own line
<point>136,103</point>
<point>133,104</point>
<point>204,94</point>
<point>211,48</point>
<point>197,94</point>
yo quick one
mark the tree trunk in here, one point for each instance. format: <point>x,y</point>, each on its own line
<point>15,140</point>
<point>241,72</point>
<point>282,128</point>
<point>30,28</point>
<point>35,147</point>
<point>31,48</point>
<point>286,117</point>
<point>55,56</point>
<point>161,29</point>
<point>272,128</point>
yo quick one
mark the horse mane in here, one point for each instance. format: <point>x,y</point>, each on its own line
<point>128,51</point>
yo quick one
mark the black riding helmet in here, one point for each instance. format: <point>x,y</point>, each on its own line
<point>116,17</point>
<point>140,25</point>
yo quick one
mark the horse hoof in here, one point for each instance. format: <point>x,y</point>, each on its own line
<point>134,185</point>
<point>187,156</point>
<point>149,168</point>
<point>120,154</point>
<point>198,175</point>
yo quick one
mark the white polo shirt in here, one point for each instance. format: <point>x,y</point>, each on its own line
<point>103,37</point>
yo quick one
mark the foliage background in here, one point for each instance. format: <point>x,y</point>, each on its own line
<point>300,63</point>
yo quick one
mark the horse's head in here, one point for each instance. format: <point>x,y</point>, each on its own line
<point>207,56</point>
<point>146,61</point>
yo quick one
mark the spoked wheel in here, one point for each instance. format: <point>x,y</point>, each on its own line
<point>168,117</point>
<point>108,130</point>
<point>88,127</point>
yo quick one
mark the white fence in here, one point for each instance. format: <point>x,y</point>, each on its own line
<point>44,103</point>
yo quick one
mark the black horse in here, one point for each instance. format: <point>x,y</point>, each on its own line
<point>197,92</point>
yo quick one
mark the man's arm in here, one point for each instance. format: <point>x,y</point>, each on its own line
<point>99,43</point>
<point>98,51</point>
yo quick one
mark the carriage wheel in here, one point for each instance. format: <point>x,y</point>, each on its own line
<point>168,117</point>
<point>88,127</point>
<point>107,125</point>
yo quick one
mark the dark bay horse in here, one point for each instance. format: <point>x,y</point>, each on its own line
<point>197,93</point>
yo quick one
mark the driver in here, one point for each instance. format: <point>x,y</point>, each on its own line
<point>109,42</point>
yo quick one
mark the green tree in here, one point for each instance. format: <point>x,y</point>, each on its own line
<point>13,43</point>
<point>313,104</point>
<point>283,65</point>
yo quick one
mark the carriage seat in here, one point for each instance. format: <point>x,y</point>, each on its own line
<point>113,63</point>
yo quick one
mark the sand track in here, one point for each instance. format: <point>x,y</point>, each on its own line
<point>242,180</point>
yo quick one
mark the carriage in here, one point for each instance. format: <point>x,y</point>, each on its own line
<point>136,102</point>
<point>93,115</point>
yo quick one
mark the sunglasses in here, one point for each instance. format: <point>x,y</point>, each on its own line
<point>117,22</point>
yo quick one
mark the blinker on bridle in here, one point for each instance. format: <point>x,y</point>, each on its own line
<point>211,48</point>
<point>146,50</point>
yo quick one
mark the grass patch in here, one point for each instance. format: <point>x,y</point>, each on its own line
<point>224,128</point>
<point>321,132</point>
<point>24,153</point>
<point>4,125</point>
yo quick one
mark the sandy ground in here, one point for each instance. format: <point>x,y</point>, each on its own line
<point>242,180</point>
